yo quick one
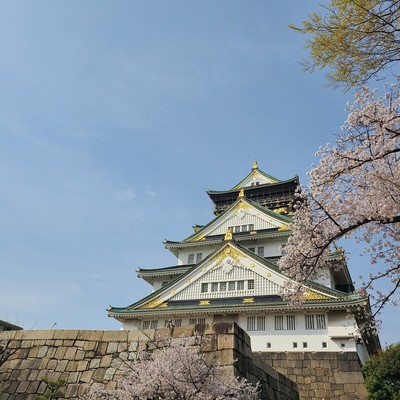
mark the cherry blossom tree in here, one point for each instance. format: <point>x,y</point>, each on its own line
<point>354,191</point>
<point>177,370</point>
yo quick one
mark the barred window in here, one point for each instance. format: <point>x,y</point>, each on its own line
<point>231,285</point>
<point>154,324</point>
<point>146,325</point>
<point>315,321</point>
<point>240,285</point>
<point>310,321</point>
<point>321,322</point>
<point>204,287</point>
<point>214,286</point>
<point>260,251</point>
<point>291,322</point>
<point>278,322</point>
<point>251,323</point>
<point>191,259</point>
<point>261,323</point>
<point>256,323</point>
<point>250,284</point>
<point>222,286</point>
<point>194,321</point>
<point>199,257</point>
<point>178,322</point>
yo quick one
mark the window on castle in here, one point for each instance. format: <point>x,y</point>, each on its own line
<point>295,345</point>
<point>320,320</point>
<point>305,345</point>
<point>150,324</point>
<point>199,257</point>
<point>252,249</point>
<point>191,259</point>
<point>240,285</point>
<point>164,283</point>
<point>310,321</point>
<point>250,284</point>
<point>222,286</point>
<point>251,323</point>
<point>290,322</point>
<point>231,285</point>
<point>256,323</point>
<point>242,228</point>
<point>268,345</point>
<point>146,325</point>
<point>261,323</point>
<point>315,321</point>
<point>260,251</point>
<point>283,322</point>
<point>204,287</point>
<point>214,286</point>
<point>194,321</point>
<point>278,322</point>
<point>178,322</point>
<point>324,345</point>
<point>154,324</point>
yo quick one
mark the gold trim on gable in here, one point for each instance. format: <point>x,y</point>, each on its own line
<point>228,252</point>
<point>248,300</point>
<point>314,296</point>
<point>153,303</point>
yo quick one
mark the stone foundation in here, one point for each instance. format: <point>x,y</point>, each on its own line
<point>321,375</point>
<point>83,358</point>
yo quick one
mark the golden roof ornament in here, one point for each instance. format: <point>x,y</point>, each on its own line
<point>241,193</point>
<point>255,164</point>
<point>228,234</point>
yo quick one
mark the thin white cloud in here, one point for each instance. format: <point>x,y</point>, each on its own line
<point>124,196</point>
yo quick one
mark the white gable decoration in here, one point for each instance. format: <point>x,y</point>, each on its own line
<point>229,265</point>
<point>242,214</point>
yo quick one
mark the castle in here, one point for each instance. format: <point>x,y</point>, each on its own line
<point>227,271</point>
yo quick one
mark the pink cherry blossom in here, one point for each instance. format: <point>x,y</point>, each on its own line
<point>354,191</point>
<point>178,369</point>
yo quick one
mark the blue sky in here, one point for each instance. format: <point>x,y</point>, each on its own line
<point>116,117</point>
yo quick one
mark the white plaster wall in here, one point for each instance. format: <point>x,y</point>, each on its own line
<point>184,254</point>
<point>281,340</point>
<point>341,323</point>
<point>325,278</point>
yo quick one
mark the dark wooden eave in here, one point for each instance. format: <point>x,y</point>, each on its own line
<point>271,195</point>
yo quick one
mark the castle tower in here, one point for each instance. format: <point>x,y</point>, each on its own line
<point>227,270</point>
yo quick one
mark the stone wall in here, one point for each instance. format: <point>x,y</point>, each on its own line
<point>321,375</point>
<point>83,358</point>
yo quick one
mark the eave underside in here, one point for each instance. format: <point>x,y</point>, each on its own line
<point>268,195</point>
<point>244,306</point>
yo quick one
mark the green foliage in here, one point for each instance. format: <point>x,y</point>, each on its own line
<point>382,374</point>
<point>355,39</point>
<point>53,390</point>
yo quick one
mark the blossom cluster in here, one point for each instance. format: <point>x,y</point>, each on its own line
<point>354,191</point>
<point>177,369</point>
